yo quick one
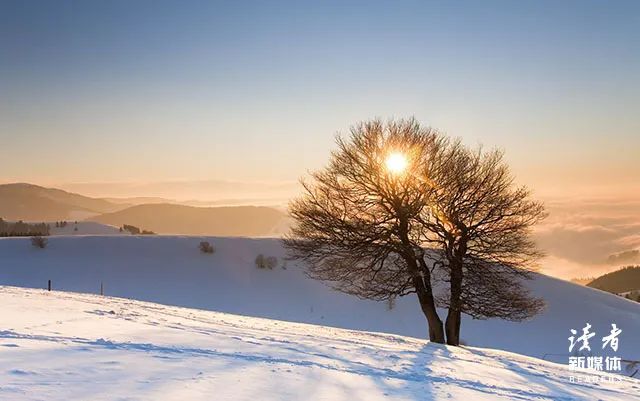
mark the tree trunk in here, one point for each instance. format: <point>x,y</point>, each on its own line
<point>452,325</point>
<point>428,306</point>
<point>422,285</point>
<point>421,278</point>
<point>436,331</point>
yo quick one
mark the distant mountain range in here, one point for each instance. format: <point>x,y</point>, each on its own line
<point>34,203</point>
<point>201,190</point>
<point>29,202</point>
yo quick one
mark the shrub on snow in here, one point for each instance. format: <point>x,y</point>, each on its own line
<point>39,242</point>
<point>206,247</point>
<point>266,262</point>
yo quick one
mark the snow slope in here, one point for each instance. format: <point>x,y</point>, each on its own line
<point>84,228</point>
<point>66,346</point>
<point>171,270</point>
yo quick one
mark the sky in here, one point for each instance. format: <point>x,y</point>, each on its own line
<point>201,100</point>
<point>156,91</point>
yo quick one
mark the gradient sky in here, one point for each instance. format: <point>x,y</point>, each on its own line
<point>108,91</point>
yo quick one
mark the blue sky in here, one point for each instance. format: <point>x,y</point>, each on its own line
<point>155,90</point>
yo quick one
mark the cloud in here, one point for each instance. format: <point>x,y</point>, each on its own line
<point>580,236</point>
<point>626,257</point>
<point>183,191</point>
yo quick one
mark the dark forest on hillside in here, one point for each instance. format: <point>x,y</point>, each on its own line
<point>22,229</point>
<point>623,280</point>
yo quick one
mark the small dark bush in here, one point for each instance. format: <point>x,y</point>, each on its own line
<point>39,242</point>
<point>132,229</point>
<point>206,247</point>
<point>266,262</point>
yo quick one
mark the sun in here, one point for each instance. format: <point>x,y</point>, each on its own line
<point>396,163</point>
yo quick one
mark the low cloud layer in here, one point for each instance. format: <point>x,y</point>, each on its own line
<point>586,238</point>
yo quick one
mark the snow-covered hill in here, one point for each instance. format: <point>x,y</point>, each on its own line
<point>84,228</point>
<point>171,270</point>
<point>65,346</point>
<point>235,221</point>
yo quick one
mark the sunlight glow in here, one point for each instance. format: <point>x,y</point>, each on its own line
<point>396,163</point>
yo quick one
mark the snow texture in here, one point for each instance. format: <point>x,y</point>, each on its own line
<point>172,270</point>
<point>66,346</point>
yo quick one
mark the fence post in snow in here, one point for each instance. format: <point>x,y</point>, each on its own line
<point>101,289</point>
<point>49,285</point>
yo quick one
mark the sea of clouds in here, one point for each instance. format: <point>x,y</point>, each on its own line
<point>589,237</point>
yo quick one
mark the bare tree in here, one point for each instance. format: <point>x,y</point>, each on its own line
<point>479,226</point>
<point>369,228</point>
<point>359,224</point>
